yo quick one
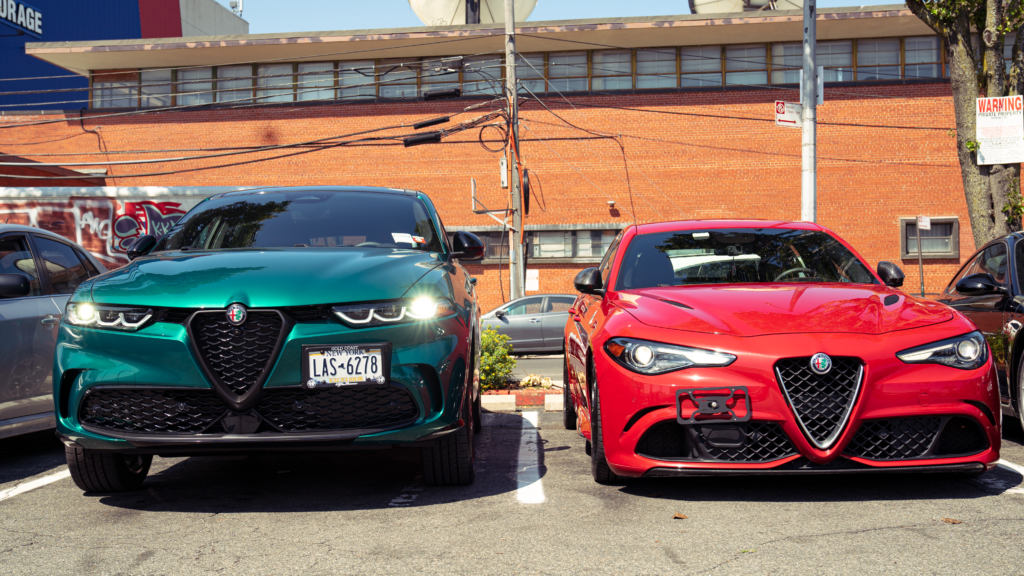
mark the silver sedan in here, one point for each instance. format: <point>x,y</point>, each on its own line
<point>535,323</point>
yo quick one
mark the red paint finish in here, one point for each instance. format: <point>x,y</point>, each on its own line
<point>160,18</point>
<point>760,324</point>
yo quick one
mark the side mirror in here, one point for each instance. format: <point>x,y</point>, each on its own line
<point>890,274</point>
<point>978,285</point>
<point>589,282</point>
<point>499,313</point>
<point>466,246</point>
<point>142,246</point>
<point>14,286</point>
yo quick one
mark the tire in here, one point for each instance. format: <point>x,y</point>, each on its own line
<point>100,471</point>
<point>598,463</point>
<point>477,409</point>
<point>1020,393</point>
<point>449,462</point>
<point>568,406</point>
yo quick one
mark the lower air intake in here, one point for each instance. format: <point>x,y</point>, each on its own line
<point>151,411</point>
<point>746,442</point>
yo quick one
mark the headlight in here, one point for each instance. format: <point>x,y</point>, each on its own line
<point>399,311</point>
<point>125,318</point>
<point>656,358</point>
<point>965,352</point>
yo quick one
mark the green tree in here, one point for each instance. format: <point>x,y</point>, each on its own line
<point>979,71</point>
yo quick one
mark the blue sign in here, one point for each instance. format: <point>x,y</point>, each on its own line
<point>22,16</point>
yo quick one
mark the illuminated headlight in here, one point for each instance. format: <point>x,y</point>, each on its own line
<point>125,318</point>
<point>657,358</point>
<point>965,352</point>
<point>396,312</point>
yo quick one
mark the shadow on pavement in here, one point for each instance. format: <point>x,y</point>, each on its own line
<point>321,481</point>
<point>28,455</point>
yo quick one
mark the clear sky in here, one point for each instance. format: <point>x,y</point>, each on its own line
<point>267,16</point>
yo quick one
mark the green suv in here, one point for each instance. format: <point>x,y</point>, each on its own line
<point>273,319</point>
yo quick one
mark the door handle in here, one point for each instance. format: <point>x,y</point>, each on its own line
<point>534,320</point>
<point>50,320</point>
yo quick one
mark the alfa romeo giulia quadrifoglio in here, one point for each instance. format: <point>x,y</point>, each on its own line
<point>275,319</point>
<point>757,347</point>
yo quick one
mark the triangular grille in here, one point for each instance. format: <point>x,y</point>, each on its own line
<point>238,356</point>
<point>821,402</point>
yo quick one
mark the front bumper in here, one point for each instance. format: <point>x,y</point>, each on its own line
<point>921,399</point>
<point>428,367</point>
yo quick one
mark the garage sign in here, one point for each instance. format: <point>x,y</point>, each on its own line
<point>22,16</point>
<point>1000,130</point>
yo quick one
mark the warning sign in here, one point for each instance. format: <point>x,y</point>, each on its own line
<point>788,114</point>
<point>1000,130</point>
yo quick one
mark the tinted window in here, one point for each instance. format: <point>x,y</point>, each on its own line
<point>746,255</point>
<point>528,306</point>
<point>993,262</point>
<point>559,304</point>
<point>609,257</point>
<point>970,268</point>
<point>308,219</point>
<point>88,264</point>
<point>63,267</point>
<point>16,258</point>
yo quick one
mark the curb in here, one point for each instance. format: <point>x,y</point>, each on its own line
<point>495,403</point>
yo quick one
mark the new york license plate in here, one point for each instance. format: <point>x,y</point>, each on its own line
<point>345,365</point>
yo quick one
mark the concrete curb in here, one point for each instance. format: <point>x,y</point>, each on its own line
<point>496,403</point>
<point>553,403</point>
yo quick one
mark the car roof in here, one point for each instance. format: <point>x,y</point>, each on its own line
<point>319,189</point>
<point>724,224</point>
<point>20,228</point>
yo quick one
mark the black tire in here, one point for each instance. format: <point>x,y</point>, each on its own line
<point>588,448</point>
<point>477,409</point>
<point>598,464</point>
<point>100,471</point>
<point>1020,393</point>
<point>449,462</point>
<point>568,406</point>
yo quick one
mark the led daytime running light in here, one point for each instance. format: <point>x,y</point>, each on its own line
<point>423,308</point>
<point>107,317</point>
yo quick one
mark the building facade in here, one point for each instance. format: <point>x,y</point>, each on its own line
<point>622,121</point>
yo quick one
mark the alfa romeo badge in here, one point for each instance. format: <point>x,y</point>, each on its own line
<point>237,314</point>
<point>821,364</point>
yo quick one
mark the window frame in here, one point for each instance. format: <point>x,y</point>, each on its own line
<point>44,272</point>
<point>43,279</point>
<point>954,252</point>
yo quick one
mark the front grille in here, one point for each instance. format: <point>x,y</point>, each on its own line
<point>744,442</point>
<point>298,410</point>
<point>894,439</point>
<point>304,314</point>
<point>174,315</point>
<point>237,355</point>
<point>151,411</point>
<point>821,403</point>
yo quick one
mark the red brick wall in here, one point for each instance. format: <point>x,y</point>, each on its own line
<point>884,152</point>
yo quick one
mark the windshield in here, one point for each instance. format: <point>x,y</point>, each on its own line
<point>745,255</point>
<point>305,219</point>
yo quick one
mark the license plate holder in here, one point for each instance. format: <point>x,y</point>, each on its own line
<point>337,365</point>
<point>713,405</point>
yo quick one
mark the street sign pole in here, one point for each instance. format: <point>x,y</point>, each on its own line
<point>518,270</point>
<point>809,176</point>
<point>923,223</point>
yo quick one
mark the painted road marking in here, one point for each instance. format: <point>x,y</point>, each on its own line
<point>409,494</point>
<point>530,490</point>
<point>37,483</point>
<point>1016,468</point>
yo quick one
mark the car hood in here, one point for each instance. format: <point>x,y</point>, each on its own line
<point>782,309</point>
<point>264,278</point>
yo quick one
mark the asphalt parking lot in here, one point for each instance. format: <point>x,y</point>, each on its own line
<point>532,510</point>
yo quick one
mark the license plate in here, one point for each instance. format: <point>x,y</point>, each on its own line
<point>345,365</point>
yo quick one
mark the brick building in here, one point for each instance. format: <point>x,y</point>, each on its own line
<point>634,119</point>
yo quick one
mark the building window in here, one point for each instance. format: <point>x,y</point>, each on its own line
<point>613,70</point>
<point>315,81</point>
<point>700,66</point>
<point>787,63</point>
<point>556,244</point>
<point>156,88</point>
<point>941,242</point>
<point>115,90</point>
<point>356,80</point>
<point>195,86</point>
<point>435,75</point>
<point>276,83</point>
<point>922,57</point>
<point>878,59</point>
<point>530,72</point>
<point>482,75</point>
<point>567,71</point>
<point>550,244</point>
<point>656,68</point>
<point>746,65</point>
<point>398,80</point>
<point>234,83</point>
<point>837,59</point>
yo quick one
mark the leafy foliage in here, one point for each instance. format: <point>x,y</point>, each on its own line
<point>496,361</point>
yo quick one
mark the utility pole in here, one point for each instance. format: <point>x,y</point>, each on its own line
<point>472,11</point>
<point>809,175</point>
<point>517,277</point>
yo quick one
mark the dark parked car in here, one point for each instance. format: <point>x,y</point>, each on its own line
<point>31,305</point>
<point>989,290</point>
<point>535,323</point>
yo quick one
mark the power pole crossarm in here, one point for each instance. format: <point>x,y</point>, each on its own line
<point>809,174</point>
<point>517,278</point>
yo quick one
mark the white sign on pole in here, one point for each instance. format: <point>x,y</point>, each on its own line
<point>1000,130</point>
<point>788,114</point>
<point>532,280</point>
<point>821,86</point>
<point>924,223</point>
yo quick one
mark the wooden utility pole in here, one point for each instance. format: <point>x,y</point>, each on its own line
<point>517,276</point>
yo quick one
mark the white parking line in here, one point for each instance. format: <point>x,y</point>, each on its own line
<point>37,483</point>
<point>1016,468</point>
<point>409,494</point>
<point>530,490</point>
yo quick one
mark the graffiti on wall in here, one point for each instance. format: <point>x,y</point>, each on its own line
<point>106,227</point>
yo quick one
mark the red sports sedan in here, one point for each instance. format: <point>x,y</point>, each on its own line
<point>756,347</point>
